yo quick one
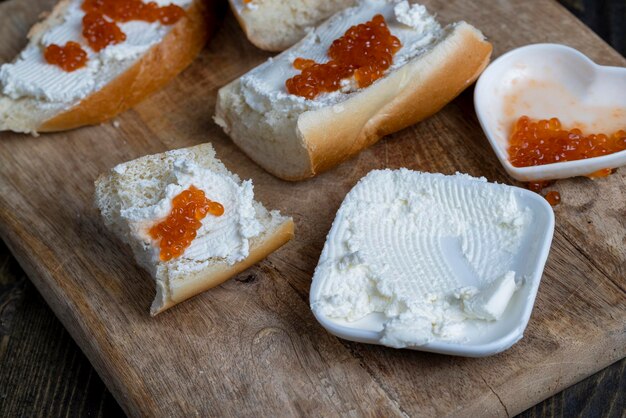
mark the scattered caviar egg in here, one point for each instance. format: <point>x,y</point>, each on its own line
<point>177,231</point>
<point>537,186</point>
<point>553,198</point>
<point>605,172</point>
<point>100,32</point>
<point>539,142</point>
<point>364,52</point>
<point>69,57</point>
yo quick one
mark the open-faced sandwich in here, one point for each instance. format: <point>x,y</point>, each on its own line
<point>189,221</point>
<point>368,71</point>
<point>92,59</point>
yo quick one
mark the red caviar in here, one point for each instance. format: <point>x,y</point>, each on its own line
<point>553,198</point>
<point>100,32</point>
<point>365,51</point>
<point>177,231</point>
<point>69,57</point>
<point>127,10</point>
<point>605,172</point>
<point>545,141</point>
<point>100,27</point>
<point>537,186</point>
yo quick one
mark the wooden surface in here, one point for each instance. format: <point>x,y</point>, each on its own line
<point>45,374</point>
<point>251,346</point>
<point>42,371</point>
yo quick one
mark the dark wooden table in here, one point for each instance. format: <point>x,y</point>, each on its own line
<point>44,373</point>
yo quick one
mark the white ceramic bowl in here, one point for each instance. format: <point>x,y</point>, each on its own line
<point>489,337</point>
<point>551,80</point>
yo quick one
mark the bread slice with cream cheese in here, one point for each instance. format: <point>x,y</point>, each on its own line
<point>275,25</point>
<point>36,96</point>
<point>136,195</point>
<point>295,138</point>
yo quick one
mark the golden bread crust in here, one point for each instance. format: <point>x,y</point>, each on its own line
<point>219,274</point>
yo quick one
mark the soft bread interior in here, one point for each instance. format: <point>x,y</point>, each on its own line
<point>129,80</point>
<point>141,183</point>
<point>271,138</point>
<point>275,25</point>
<point>306,140</point>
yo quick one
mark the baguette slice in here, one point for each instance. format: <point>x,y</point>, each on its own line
<point>295,138</point>
<point>275,25</point>
<point>131,80</point>
<point>141,184</point>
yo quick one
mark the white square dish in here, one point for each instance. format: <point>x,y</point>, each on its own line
<point>479,338</point>
<point>550,80</point>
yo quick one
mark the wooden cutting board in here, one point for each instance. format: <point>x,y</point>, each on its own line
<point>252,347</point>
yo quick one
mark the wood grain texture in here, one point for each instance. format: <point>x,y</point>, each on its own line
<point>252,346</point>
<point>42,373</point>
<point>34,344</point>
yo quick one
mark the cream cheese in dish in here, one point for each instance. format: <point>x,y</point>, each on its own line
<point>264,87</point>
<point>31,76</point>
<point>223,237</point>
<point>432,254</point>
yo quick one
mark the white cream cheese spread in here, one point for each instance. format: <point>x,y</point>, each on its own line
<point>31,76</point>
<point>429,252</point>
<point>220,237</point>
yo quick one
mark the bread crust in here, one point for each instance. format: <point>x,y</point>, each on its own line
<point>178,280</point>
<point>218,274</point>
<point>156,68</point>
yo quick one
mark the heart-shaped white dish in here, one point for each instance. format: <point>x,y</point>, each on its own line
<point>550,80</point>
